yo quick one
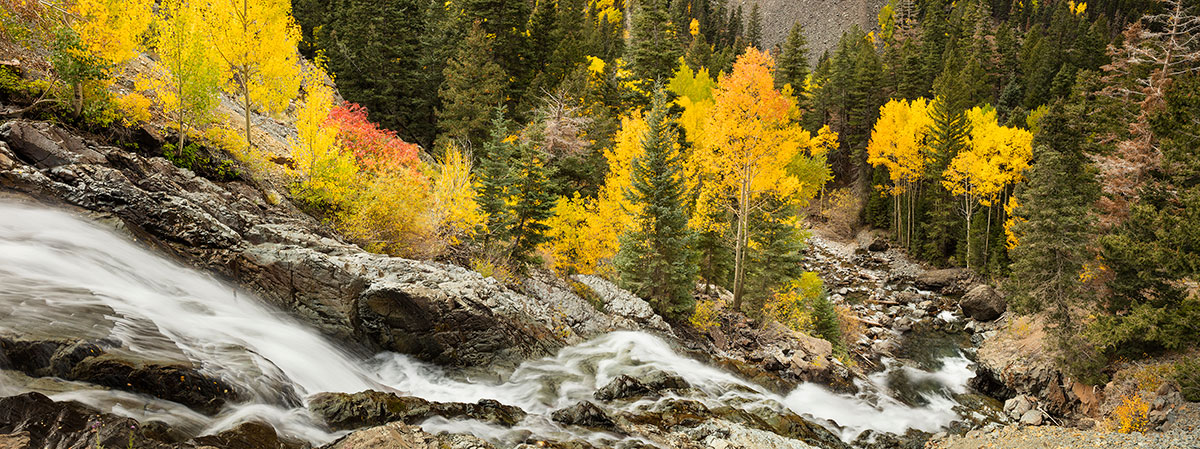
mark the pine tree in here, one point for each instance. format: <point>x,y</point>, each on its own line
<point>793,60</point>
<point>754,28</point>
<point>1055,228</point>
<point>654,52</point>
<point>776,252</point>
<point>505,21</point>
<point>496,178</point>
<point>656,257</point>
<point>474,84</point>
<point>533,203</point>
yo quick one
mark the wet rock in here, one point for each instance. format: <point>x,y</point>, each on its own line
<point>727,435</point>
<point>249,435</point>
<point>32,420</point>
<point>982,303</point>
<point>621,387</point>
<point>659,380</point>
<point>402,436</point>
<point>181,384</point>
<point>343,411</point>
<point>87,361</point>
<point>1032,418</point>
<point>47,146</point>
<point>584,414</point>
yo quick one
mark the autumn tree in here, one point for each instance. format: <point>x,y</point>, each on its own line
<point>327,173</point>
<point>751,141</point>
<point>103,36</point>
<point>900,143</point>
<point>994,159</point>
<point>184,48</point>
<point>655,260</point>
<point>256,42</point>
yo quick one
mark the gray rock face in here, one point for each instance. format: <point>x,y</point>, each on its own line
<point>440,313</point>
<point>982,303</point>
<point>630,311</point>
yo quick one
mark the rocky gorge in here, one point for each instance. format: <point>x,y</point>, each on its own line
<point>144,305</point>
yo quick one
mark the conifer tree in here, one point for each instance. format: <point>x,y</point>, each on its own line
<point>654,52</point>
<point>656,258</point>
<point>792,67</point>
<point>373,48</point>
<point>754,28</point>
<point>532,204</point>
<point>474,84</point>
<point>1054,227</point>
<point>496,178</point>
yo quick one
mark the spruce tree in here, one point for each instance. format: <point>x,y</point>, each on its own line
<point>754,28</point>
<point>656,259</point>
<point>1055,227</point>
<point>496,179</point>
<point>654,52</point>
<point>373,48</point>
<point>533,204</point>
<point>474,85</point>
<point>775,251</point>
<point>792,66</point>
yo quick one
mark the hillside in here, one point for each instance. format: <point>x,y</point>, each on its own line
<point>824,21</point>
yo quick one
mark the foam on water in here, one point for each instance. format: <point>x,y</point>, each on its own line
<point>63,275</point>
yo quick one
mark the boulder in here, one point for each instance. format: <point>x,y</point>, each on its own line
<point>879,244</point>
<point>584,414</point>
<point>982,303</point>
<point>623,304</point>
<point>1032,418</point>
<point>1017,406</point>
<point>941,280</point>
<point>398,435</point>
<point>343,411</point>
<point>32,420</point>
<point>621,387</point>
<point>87,361</point>
<point>248,435</point>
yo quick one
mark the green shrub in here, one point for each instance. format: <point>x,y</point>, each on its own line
<point>1187,375</point>
<point>193,158</point>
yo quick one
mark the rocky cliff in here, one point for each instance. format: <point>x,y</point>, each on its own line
<point>824,21</point>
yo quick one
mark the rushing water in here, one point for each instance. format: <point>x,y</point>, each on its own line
<point>64,276</point>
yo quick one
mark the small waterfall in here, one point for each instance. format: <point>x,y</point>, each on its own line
<point>65,276</point>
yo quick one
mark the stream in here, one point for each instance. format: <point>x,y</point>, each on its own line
<point>62,276</point>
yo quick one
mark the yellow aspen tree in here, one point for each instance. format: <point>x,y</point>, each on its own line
<point>750,141</point>
<point>453,207</point>
<point>995,158</point>
<point>898,143</point>
<point>256,42</point>
<point>184,48</point>
<point>108,33</point>
<point>327,172</point>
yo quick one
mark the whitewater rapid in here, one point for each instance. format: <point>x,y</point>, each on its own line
<point>65,276</point>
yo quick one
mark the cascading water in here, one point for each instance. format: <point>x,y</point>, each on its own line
<point>64,276</point>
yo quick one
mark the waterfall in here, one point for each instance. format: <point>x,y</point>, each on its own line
<point>61,275</point>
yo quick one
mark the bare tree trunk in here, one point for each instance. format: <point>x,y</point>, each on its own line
<point>739,253</point>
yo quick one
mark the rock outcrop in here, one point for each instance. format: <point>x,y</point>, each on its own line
<point>89,362</point>
<point>342,411</point>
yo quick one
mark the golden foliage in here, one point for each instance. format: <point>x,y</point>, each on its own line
<point>134,107</point>
<point>840,209</point>
<point>387,216</point>
<point>898,142</point>
<point>327,172</point>
<point>792,306</point>
<point>256,42</point>
<point>1132,415</point>
<point>454,212</point>
<point>112,30</point>
<point>704,317</point>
